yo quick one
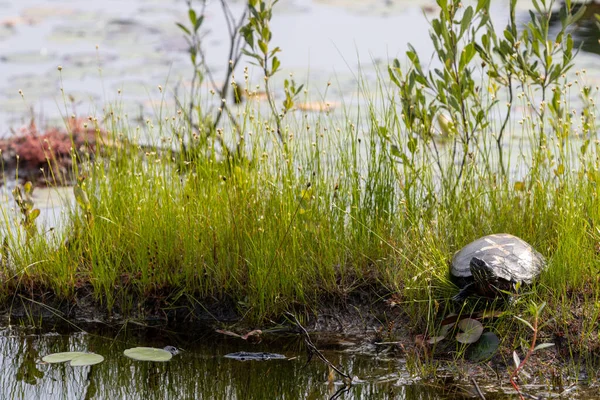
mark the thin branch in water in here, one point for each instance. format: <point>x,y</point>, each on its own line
<point>477,389</point>
<point>312,349</point>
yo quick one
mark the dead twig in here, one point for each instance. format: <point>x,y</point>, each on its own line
<point>479,392</point>
<point>312,350</point>
<point>340,392</point>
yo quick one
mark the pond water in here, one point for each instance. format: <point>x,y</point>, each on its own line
<point>118,52</point>
<point>131,47</point>
<point>201,370</point>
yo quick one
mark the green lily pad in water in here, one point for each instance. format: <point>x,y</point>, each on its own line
<point>77,358</point>
<point>485,348</point>
<point>471,331</point>
<point>148,354</point>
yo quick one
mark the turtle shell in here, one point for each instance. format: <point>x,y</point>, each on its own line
<point>510,257</point>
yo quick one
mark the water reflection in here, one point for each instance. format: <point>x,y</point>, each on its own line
<point>199,372</point>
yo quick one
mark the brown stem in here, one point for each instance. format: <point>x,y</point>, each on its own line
<point>524,361</point>
<point>477,389</point>
<point>313,349</point>
<point>503,127</point>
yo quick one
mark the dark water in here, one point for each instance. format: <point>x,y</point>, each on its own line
<point>199,371</point>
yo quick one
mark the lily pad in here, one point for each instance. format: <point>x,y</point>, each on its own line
<point>485,348</point>
<point>87,359</point>
<point>77,358</point>
<point>148,354</point>
<point>471,331</point>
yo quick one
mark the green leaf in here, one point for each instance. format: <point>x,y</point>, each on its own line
<point>525,322</point>
<point>148,354</point>
<point>437,27</point>
<point>263,46</point>
<point>414,58</point>
<point>541,308</point>
<point>266,33</point>
<point>483,4</point>
<point>516,359</point>
<point>81,197</point>
<point>466,20</point>
<point>77,358</point>
<point>542,346</point>
<point>198,23</point>
<point>584,146</point>
<point>578,15</point>
<point>275,51</point>
<point>393,77</point>
<point>275,65</point>
<point>33,215</point>
<point>485,18</point>
<point>183,28</point>
<point>248,35</point>
<point>446,125</point>
<point>395,151</point>
<point>412,145</point>
<point>255,56</point>
<point>466,55</point>
<point>192,16</point>
<point>383,132</point>
<point>471,331</point>
<point>485,347</point>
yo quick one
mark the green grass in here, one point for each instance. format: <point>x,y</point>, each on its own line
<point>335,213</point>
<point>334,216</point>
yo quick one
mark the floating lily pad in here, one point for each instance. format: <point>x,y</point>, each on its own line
<point>471,331</point>
<point>87,359</point>
<point>485,348</point>
<point>148,354</point>
<point>77,358</point>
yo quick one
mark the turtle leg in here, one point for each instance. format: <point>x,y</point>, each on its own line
<point>465,292</point>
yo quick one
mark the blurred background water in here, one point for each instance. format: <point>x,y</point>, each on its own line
<point>118,52</point>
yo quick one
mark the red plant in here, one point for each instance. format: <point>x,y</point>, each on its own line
<point>31,150</point>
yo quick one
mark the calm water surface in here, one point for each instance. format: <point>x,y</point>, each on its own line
<point>133,46</point>
<point>200,371</point>
<point>139,48</point>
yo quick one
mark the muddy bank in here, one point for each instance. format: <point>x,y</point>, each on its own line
<point>360,313</point>
<point>362,323</point>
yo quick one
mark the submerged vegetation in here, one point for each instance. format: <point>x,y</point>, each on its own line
<point>274,210</point>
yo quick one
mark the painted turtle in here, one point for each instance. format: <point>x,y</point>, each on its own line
<point>493,265</point>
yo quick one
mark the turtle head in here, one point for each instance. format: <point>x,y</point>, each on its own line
<point>482,272</point>
<point>487,283</point>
